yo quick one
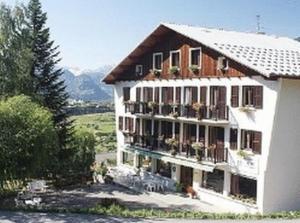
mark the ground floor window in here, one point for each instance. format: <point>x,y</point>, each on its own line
<point>145,163</point>
<point>164,168</point>
<point>213,180</point>
<point>243,188</point>
<point>127,158</point>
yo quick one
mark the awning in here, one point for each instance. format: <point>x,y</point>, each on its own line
<point>209,167</point>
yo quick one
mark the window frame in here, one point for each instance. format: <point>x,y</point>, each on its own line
<point>136,69</point>
<point>200,56</point>
<point>153,60</point>
<point>171,55</point>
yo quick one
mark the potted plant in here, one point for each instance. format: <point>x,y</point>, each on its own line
<point>197,107</point>
<point>194,69</point>
<point>156,72</point>
<point>152,105</point>
<point>174,70</point>
<point>173,143</point>
<point>245,153</point>
<point>198,146</point>
<point>174,114</point>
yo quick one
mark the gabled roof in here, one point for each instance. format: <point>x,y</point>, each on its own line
<point>269,55</point>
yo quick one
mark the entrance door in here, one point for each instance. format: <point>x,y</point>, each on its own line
<point>186,176</point>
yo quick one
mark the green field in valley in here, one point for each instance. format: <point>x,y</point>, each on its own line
<point>103,127</point>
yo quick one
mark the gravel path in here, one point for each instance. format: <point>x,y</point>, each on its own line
<point>20,217</point>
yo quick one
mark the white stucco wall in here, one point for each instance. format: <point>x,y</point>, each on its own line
<point>259,120</point>
<point>282,173</point>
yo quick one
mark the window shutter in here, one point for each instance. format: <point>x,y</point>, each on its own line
<point>234,187</point>
<point>164,95</point>
<point>156,94</point>
<point>170,95</point>
<point>242,146</point>
<point>126,93</point>
<point>203,92</point>
<point>126,124</point>
<point>235,96</point>
<point>194,94</point>
<point>150,94</point>
<point>202,134</point>
<point>138,94</point>
<point>258,96</point>
<point>233,139</point>
<point>137,126</point>
<point>222,96</point>
<point>131,124</point>
<point>256,142</point>
<point>120,123</point>
<point>178,95</point>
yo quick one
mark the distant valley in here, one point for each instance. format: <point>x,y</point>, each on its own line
<point>86,85</point>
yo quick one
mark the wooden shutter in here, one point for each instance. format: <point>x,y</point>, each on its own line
<point>178,95</point>
<point>148,94</point>
<point>242,146</point>
<point>138,94</point>
<point>234,186</point>
<point>126,123</point>
<point>258,96</point>
<point>222,95</point>
<point>164,95</point>
<point>121,123</point>
<point>131,124</point>
<point>137,126</point>
<point>170,95</point>
<point>256,143</point>
<point>202,134</point>
<point>156,94</point>
<point>233,139</point>
<point>194,91</point>
<point>203,92</point>
<point>234,96</point>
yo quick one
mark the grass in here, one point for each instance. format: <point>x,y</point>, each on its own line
<point>102,125</point>
<point>121,211</point>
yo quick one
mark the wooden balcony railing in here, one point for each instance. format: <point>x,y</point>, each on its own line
<point>153,143</point>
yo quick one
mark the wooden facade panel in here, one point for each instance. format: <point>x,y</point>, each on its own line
<point>175,41</point>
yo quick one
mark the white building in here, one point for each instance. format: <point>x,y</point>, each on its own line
<point>237,94</point>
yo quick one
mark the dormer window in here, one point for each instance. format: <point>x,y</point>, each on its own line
<point>175,58</point>
<point>195,57</point>
<point>157,61</point>
<point>222,63</point>
<point>139,70</point>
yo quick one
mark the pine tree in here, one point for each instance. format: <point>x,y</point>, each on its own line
<point>47,84</point>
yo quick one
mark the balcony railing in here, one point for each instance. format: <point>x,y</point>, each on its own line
<point>216,155</point>
<point>215,112</point>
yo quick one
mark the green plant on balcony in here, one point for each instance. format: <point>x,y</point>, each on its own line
<point>198,146</point>
<point>172,143</point>
<point>194,69</point>
<point>155,72</point>
<point>244,154</point>
<point>197,108</point>
<point>174,70</point>
<point>152,105</point>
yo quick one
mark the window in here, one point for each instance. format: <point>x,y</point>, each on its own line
<point>253,96</point>
<point>145,163</point>
<point>195,57</point>
<point>128,124</point>
<point>243,186</point>
<point>213,180</point>
<point>139,70</point>
<point>222,63</point>
<point>251,140</point>
<point>126,94</point>
<point>190,95</point>
<point>164,168</point>
<point>157,61</point>
<point>175,58</point>
<point>127,158</point>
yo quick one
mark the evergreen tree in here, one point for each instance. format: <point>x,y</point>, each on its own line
<point>47,84</point>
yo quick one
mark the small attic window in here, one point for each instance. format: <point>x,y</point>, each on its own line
<point>195,57</point>
<point>157,61</point>
<point>222,63</point>
<point>139,70</point>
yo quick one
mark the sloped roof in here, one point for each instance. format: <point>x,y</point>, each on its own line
<point>269,55</point>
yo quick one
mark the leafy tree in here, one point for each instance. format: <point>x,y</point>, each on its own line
<point>28,140</point>
<point>15,56</point>
<point>47,84</point>
<point>84,150</point>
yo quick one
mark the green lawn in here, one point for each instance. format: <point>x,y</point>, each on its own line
<point>103,127</point>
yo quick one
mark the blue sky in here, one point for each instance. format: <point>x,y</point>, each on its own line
<point>92,33</point>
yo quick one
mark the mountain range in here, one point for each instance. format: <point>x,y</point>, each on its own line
<point>86,85</point>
